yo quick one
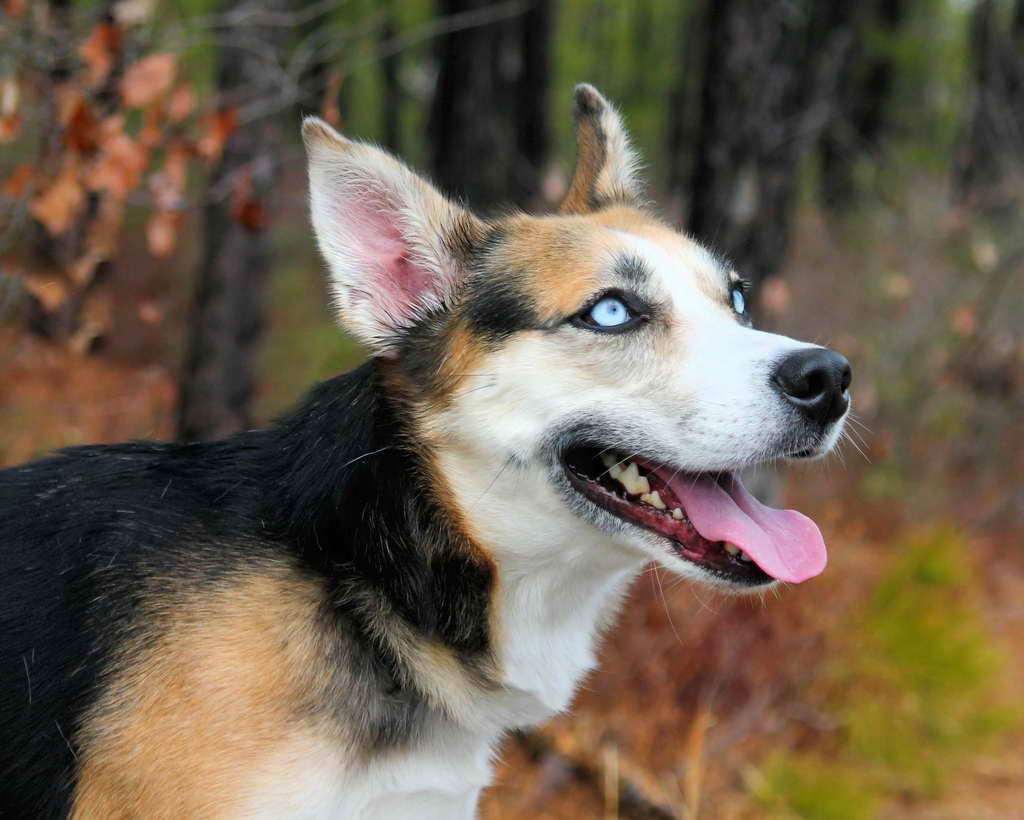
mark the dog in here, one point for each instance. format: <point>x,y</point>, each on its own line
<point>341,615</point>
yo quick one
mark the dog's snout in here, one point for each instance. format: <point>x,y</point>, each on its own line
<point>815,380</point>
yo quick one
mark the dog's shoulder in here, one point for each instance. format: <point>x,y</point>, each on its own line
<point>84,535</point>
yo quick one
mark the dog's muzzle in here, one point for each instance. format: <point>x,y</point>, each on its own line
<point>816,381</point>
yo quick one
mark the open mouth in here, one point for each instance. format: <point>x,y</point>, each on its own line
<point>711,520</point>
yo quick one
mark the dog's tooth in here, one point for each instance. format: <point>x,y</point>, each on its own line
<point>654,499</point>
<point>612,464</point>
<point>732,549</point>
<point>744,556</point>
<point>634,483</point>
<point>677,514</point>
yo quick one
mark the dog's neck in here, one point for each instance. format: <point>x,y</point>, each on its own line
<point>551,620</point>
<point>502,577</point>
<point>560,582</point>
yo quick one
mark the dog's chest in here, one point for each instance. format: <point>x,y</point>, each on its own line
<point>438,779</point>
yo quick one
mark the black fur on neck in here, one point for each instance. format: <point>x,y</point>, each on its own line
<point>348,487</point>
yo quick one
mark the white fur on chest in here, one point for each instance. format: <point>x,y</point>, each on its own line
<point>439,779</point>
<point>557,591</point>
<point>549,633</point>
<point>561,581</point>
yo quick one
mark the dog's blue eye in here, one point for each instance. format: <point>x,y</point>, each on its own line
<point>609,312</point>
<point>739,301</point>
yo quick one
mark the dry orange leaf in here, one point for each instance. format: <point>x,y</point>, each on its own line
<point>168,184</point>
<point>181,103</point>
<point>58,205</point>
<point>162,232</point>
<point>119,167</point>
<point>10,96</point>
<point>9,127</point>
<point>150,313</point>
<point>100,50</point>
<point>10,120</point>
<point>251,215</point>
<point>17,183</point>
<point>15,8</point>
<point>101,241</point>
<point>50,292</point>
<point>965,320</point>
<point>246,208</point>
<point>152,131</point>
<point>220,125</point>
<point>67,97</point>
<point>148,79</point>
<point>330,109</point>
<point>897,286</point>
<point>82,131</point>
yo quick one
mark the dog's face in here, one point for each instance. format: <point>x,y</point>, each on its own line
<point>597,364</point>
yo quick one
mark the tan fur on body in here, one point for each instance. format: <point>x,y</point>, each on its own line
<point>216,683</point>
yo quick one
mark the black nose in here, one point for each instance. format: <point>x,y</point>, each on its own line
<point>815,380</point>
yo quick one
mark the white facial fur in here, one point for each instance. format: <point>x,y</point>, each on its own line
<point>695,393</point>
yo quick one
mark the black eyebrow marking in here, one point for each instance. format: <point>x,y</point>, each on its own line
<point>632,269</point>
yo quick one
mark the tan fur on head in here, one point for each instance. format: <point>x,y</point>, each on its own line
<point>606,166</point>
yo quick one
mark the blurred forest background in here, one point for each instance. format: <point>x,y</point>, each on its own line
<point>861,162</point>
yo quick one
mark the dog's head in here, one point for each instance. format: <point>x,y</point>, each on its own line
<point>590,380</point>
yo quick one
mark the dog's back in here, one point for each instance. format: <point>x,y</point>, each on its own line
<point>180,613</point>
<point>83,536</point>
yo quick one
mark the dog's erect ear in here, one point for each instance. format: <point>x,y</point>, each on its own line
<point>396,248</point>
<point>606,166</point>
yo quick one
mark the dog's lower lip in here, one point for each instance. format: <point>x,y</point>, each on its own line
<point>642,506</point>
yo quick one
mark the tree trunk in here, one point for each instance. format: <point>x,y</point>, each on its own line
<point>391,99</point>
<point>681,113</point>
<point>467,130</point>
<point>488,121</point>
<point>532,87</point>
<point>766,94</point>
<point>994,139</point>
<point>865,91</point>
<point>226,320</point>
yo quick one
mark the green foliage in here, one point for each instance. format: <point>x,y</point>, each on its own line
<point>923,668</point>
<point>930,57</point>
<point>913,694</point>
<point>806,786</point>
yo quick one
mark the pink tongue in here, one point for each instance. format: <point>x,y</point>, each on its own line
<point>785,544</point>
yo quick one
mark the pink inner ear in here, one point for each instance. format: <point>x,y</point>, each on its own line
<point>409,278</point>
<point>392,279</point>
